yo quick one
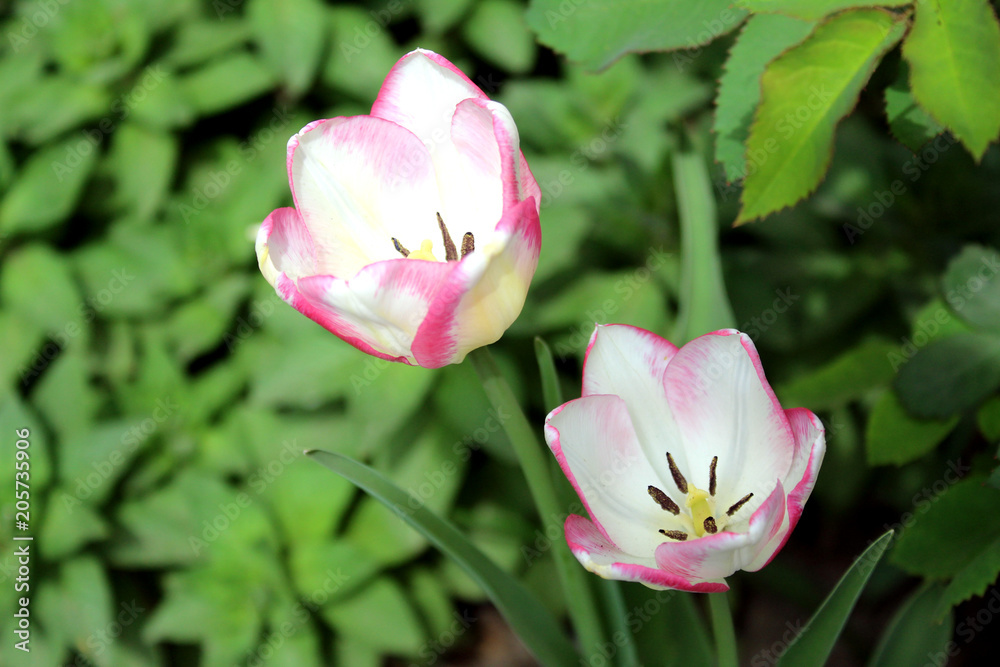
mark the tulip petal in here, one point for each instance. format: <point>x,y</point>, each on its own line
<point>379,309</point>
<point>357,183</point>
<point>421,92</point>
<point>284,245</point>
<point>810,447</point>
<point>484,294</point>
<point>724,407</point>
<point>717,556</point>
<point>603,557</point>
<point>629,362</point>
<point>595,444</point>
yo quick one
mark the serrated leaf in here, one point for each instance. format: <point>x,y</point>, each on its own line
<point>763,38</point>
<point>48,186</point>
<point>813,645</point>
<point>950,530</point>
<point>974,579</point>
<point>893,436</point>
<point>909,123</point>
<point>812,10</point>
<point>290,34</point>
<point>970,287</point>
<point>954,55</point>
<point>805,92</point>
<point>950,375</point>
<point>915,631</point>
<point>597,33</point>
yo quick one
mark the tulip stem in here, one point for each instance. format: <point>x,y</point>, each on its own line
<point>579,596</point>
<point>722,628</point>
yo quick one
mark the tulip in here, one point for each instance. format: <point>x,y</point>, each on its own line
<point>687,464</point>
<point>415,230</point>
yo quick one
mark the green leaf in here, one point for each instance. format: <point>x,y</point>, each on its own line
<point>65,398</point>
<point>66,526</point>
<point>226,83</point>
<point>954,55</point>
<point>846,378</point>
<point>200,325</point>
<point>532,623</point>
<point>199,40</point>
<point>974,579</point>
<point>764,37</point>
<point>436,16</point>
<point>92,462</point>
<point>496,30</point>
<point>813,645</point>
<point>893,436</point>
<point>551,391</point>
<point>950,530</point>
<point>382,599</point>
<point>950,375</point>
<point>48,186</point>
<point>36,283</point>
<point>909,123</point>
<point>805,92</point>
<point>358,62</point>
<point>290,34</point>
<point>970,288</point>
<point>704,303</point>
<point>988,419</point>
<point>812,10</point>
<point>78,604</point>
<point>915,632</point>
<point>597,33</point>
<point>142,163</point>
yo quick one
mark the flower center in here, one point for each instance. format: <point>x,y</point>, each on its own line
<point>700,504</point>
<point>426,246</point>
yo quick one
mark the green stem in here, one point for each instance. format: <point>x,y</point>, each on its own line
<point>579,598</point>
<point>722,628</point>
<point>617,614</point>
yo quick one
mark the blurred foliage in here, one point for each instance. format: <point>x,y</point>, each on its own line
<point>169,392</point>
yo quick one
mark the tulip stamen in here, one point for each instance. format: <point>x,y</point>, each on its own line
<point>711,476</point>
<point>738,504</point>
<point>663,500</point>
<point>450,252</point>
<point>675,472</point>
<point>399,247</point>
<point>710,527</point>
<point>678,535</point>
<point>468,243</point>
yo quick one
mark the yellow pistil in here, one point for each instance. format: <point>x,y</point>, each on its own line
<point>424,252</point>
<point>701,507</point>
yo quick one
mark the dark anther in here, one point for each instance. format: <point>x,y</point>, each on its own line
<point>711,475</point>
<point>739,503</point>
<point>399,247</point>
<point>678,535</point>
<point>468,243</point>
<point>664,500</point>
<point>679,480</point>
<point>450,253</point>
<point>710,526</point>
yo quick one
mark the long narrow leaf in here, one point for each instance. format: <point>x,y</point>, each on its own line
<point>813,645</point>
<point>536,627</point>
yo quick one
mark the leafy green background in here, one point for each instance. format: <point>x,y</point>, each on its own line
<point>170,393</point>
